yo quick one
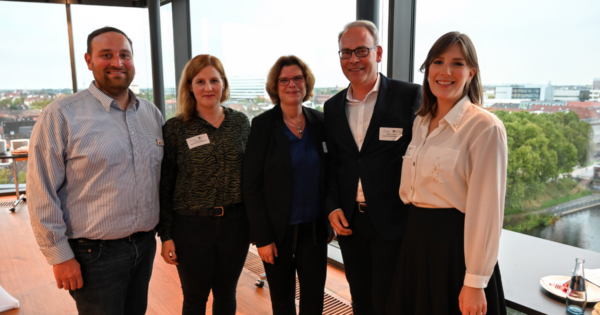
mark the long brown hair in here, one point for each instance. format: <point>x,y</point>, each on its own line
<point>186,102</point>
<point>473,89</point>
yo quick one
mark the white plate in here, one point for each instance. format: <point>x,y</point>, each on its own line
<point>593,291</point>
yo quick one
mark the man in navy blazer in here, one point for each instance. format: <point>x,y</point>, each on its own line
<point>369,127</point>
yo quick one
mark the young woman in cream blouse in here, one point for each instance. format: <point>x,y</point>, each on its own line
<point>454,177</point>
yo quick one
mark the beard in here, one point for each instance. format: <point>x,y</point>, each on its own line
<point>114,86</point>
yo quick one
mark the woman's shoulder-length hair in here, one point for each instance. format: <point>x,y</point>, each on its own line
<point>273,77</point>
<point>474,89</point>
<point>186,102</point>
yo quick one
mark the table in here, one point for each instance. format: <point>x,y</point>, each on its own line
<point>524,259</point>
<point>16,158</point>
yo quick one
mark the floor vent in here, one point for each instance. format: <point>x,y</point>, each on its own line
<point>8,204</point>
<point>333,306</point>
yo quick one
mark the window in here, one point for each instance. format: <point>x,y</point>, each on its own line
<point>168,54</point>
<point>250,36</point>
<point>132,21</point>
<point>36,69</point>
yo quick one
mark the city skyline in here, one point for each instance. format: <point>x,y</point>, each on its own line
<point>517,42</point>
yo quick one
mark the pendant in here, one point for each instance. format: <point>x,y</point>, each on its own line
<point>299,130</point>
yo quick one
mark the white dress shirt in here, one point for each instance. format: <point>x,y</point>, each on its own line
<point>359,115</point>
<point>462,164</point>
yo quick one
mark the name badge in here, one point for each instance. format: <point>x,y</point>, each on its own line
<point>160,142</point>
<point>324,147</point>
<point>410,151</point>
<point>197,141</point>
<point>389,134</point>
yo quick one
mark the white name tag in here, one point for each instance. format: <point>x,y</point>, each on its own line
<point>160,142</point>
<point>389,134</point>
<point>409,151</point>
<point>324,147</point>
<point>197,141</point>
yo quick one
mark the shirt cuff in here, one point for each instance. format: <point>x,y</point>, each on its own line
<point>59,254</point>
<point>476,281</point>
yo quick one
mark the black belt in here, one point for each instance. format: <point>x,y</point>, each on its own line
<point>362,207</point>
<point>212,212</point>
<point>134,236</point>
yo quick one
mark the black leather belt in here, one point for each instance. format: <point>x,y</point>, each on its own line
<point>129,238</point>
<point>212,212</point>
<point>362,207</point>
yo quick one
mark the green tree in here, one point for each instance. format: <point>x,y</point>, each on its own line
<point>5,102</point>
<point>540,147</point>
<point>22,176</point>
<point>5,175</point>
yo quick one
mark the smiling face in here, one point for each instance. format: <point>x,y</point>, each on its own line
<point>293,93</point>
<point>448,74</point>
<point>361,72</point>
<point>111,62</point>
<point>207,87</point>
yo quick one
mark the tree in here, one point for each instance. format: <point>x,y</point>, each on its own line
<point>540,147</point>
<point>5,102</point>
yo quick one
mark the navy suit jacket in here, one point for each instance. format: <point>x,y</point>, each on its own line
<point>378,164</point>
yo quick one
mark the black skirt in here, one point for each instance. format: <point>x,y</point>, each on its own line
<point>431,266</point>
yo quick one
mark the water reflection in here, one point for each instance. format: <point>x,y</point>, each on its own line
<point>581,230</point>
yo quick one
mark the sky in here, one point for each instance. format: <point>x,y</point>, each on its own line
<point>517,41</point>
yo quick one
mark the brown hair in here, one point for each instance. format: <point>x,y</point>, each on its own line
<point>473,89</point>
<point>275,71</point>
<point>103,30</point>
<point>186,102</point>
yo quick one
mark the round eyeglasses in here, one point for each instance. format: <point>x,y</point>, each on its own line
<point>360,52</point>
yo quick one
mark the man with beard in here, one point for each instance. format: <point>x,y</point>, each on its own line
<point>94,169</point>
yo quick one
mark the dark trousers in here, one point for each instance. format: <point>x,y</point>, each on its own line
<point>370,261</point>
<point>211,252</point>
<point>116,274</point>
<point>310,261</point>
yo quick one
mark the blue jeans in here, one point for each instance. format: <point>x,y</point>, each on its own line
<point>116,274</point>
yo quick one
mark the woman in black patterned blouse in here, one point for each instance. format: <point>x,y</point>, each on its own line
<point>201,209</point>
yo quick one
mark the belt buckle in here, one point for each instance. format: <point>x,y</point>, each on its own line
<point>222,211</point>
<point>364,205</point>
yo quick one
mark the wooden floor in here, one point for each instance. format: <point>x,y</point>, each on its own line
<point>25,274</point>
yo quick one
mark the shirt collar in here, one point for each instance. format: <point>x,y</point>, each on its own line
<point>107,101</point>
<point>452,118</point>
<point>455,115</point>
<point>375,89</point>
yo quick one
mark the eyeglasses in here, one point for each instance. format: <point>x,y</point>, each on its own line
<point>285,81</point>
<point>360,52</point>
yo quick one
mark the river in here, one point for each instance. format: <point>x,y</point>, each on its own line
<point>581,229</point>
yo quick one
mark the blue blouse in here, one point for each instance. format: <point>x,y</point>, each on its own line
<point>306,192</point>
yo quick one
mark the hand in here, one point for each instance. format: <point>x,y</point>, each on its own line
<point>268,253</point>
<point>472,301</point>
<point>339,223</point>
<point>68,275</point>
<point>168,252</point>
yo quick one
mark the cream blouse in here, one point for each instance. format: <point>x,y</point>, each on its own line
<point>462,164</point>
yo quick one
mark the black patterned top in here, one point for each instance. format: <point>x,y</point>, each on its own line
<point>206,176</point>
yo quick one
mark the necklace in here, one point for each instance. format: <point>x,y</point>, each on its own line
<point>299,127</point>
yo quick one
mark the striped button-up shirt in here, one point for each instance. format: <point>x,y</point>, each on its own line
<point>93,170</point>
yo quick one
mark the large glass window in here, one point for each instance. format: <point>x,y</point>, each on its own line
<point>251,35</point>
<point>168,53</point>
<point>132,21</point>
<point>530,53</point>
<point>36,69</point>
